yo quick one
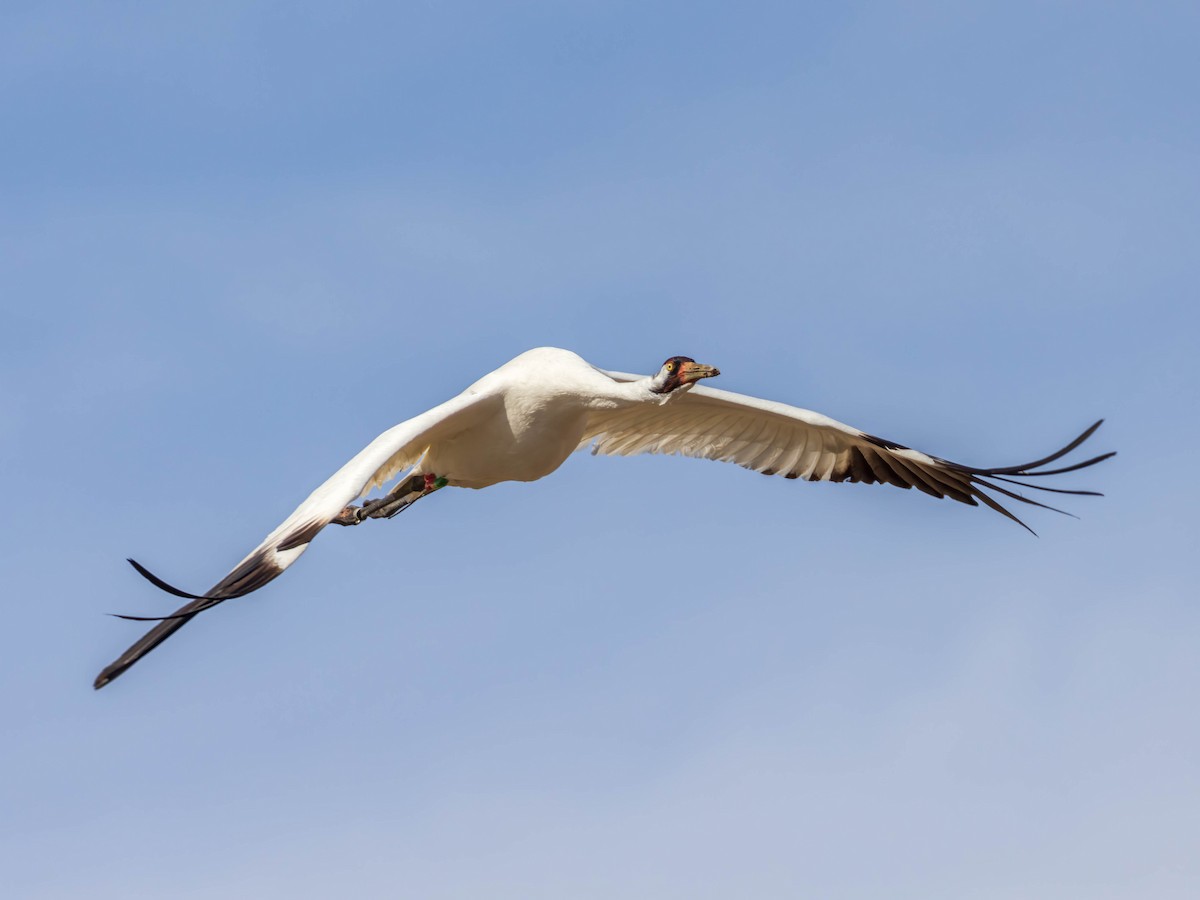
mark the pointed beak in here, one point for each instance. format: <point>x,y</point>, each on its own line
<point>690,372</point>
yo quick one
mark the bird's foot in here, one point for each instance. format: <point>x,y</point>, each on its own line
<point>351,515</point>
<point>404,496</point>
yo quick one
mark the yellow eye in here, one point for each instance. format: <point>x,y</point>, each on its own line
<point>670,367</point>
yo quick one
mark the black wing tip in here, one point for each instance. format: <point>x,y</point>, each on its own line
<point>159,583</point>
<point>249,576</point>
<point>185,615</point>
<point>1034,469</point>
<point>110,673</point>
<point>113,671</point>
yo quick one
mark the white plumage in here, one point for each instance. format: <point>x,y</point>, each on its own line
<point>521,422</point>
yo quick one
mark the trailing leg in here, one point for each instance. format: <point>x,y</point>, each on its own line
<point>403,496</point>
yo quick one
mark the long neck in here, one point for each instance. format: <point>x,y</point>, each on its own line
<point>642,391</point>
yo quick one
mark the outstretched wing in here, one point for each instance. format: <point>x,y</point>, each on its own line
<point>777,439</point>
<point>392,452</point>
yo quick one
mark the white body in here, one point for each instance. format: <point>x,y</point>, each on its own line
<point>528,424</point>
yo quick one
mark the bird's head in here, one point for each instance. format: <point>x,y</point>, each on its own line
<point>679,372</point>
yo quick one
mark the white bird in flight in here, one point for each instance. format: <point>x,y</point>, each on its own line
<point>522,421</point>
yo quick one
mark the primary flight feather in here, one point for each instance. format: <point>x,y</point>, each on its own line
<point>521,422</point>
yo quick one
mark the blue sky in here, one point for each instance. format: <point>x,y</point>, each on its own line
<point>241,239</point>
